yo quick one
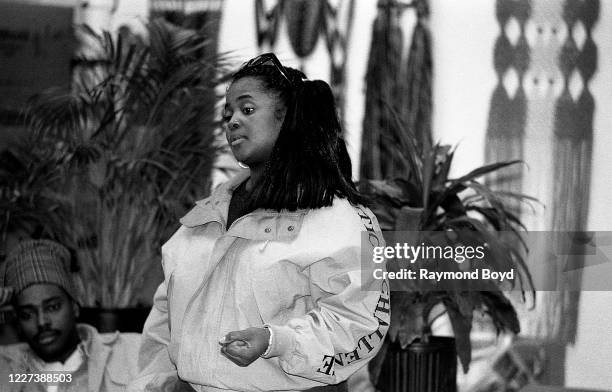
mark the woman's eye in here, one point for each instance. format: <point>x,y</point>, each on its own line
<point>248,110</point>
<point>226,118</point>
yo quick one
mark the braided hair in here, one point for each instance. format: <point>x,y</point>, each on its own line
<point>309,164</point>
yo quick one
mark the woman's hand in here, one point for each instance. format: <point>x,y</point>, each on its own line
<point>245,346</point>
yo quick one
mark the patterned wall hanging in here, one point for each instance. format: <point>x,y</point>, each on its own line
<point>573,140</point>
<point>306,21</point>
<point>417,108</point>
<point>267,22</point>
<point>398,91</point>
<point>543,81</point>
<point>506,124</point>
<point>551,129</point>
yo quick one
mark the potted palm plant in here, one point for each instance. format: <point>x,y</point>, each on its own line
<point>428,200</point>
<point>133,144</point>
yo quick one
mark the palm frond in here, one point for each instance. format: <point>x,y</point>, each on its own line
<point>483,216</point>
<point>133,143</point>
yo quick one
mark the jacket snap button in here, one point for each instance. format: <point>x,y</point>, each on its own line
<point>290,228</point>
<point>267,230</point>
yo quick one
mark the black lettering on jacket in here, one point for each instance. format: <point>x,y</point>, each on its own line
<point>366,343</point>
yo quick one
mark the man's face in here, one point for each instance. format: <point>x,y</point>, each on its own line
<point>47,319</point>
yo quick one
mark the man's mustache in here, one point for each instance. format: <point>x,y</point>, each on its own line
<point>46,331</point>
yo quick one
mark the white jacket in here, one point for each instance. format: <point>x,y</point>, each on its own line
<point>298,272</point>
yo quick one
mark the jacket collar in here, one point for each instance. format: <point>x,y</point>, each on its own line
<point>263,225</point>
<point>214,208</point>
<point>97,353</point>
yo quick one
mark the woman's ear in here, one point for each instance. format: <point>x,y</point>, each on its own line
<point>280,112</point>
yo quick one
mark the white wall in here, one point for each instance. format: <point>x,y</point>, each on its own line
<point>463,76</point>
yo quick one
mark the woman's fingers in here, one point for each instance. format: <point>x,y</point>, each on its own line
<point>235,355</point>
<point>237,348</point>
<point>244,346</point>
<point>236,336</point>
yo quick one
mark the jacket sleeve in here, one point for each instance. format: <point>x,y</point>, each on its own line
<point>345,329</point>
<point>155,370</point>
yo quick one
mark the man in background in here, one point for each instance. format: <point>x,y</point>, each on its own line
<point>60,354</point>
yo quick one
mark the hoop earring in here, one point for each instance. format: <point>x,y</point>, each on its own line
<point>242,165</point>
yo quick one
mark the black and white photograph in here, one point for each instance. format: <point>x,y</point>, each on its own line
<point>305,195</point>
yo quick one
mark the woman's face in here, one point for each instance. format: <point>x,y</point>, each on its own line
<point>253,117</point>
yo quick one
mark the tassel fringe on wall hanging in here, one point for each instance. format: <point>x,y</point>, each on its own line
<point>398,91</point>
<point>573,143</point>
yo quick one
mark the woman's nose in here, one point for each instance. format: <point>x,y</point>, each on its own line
<point>234,124</point>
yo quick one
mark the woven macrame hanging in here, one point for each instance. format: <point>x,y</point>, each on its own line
<point>549,124</point>
<point>417,108</point>
<point>573,143</point>
<point>542,86</point>
<point>305,21</point>
<point>398,92</point>
<point>506,124</point>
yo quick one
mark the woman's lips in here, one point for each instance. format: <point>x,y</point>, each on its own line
<point>237,141</point>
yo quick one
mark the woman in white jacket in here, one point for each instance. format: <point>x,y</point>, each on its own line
<point>265,288</point>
